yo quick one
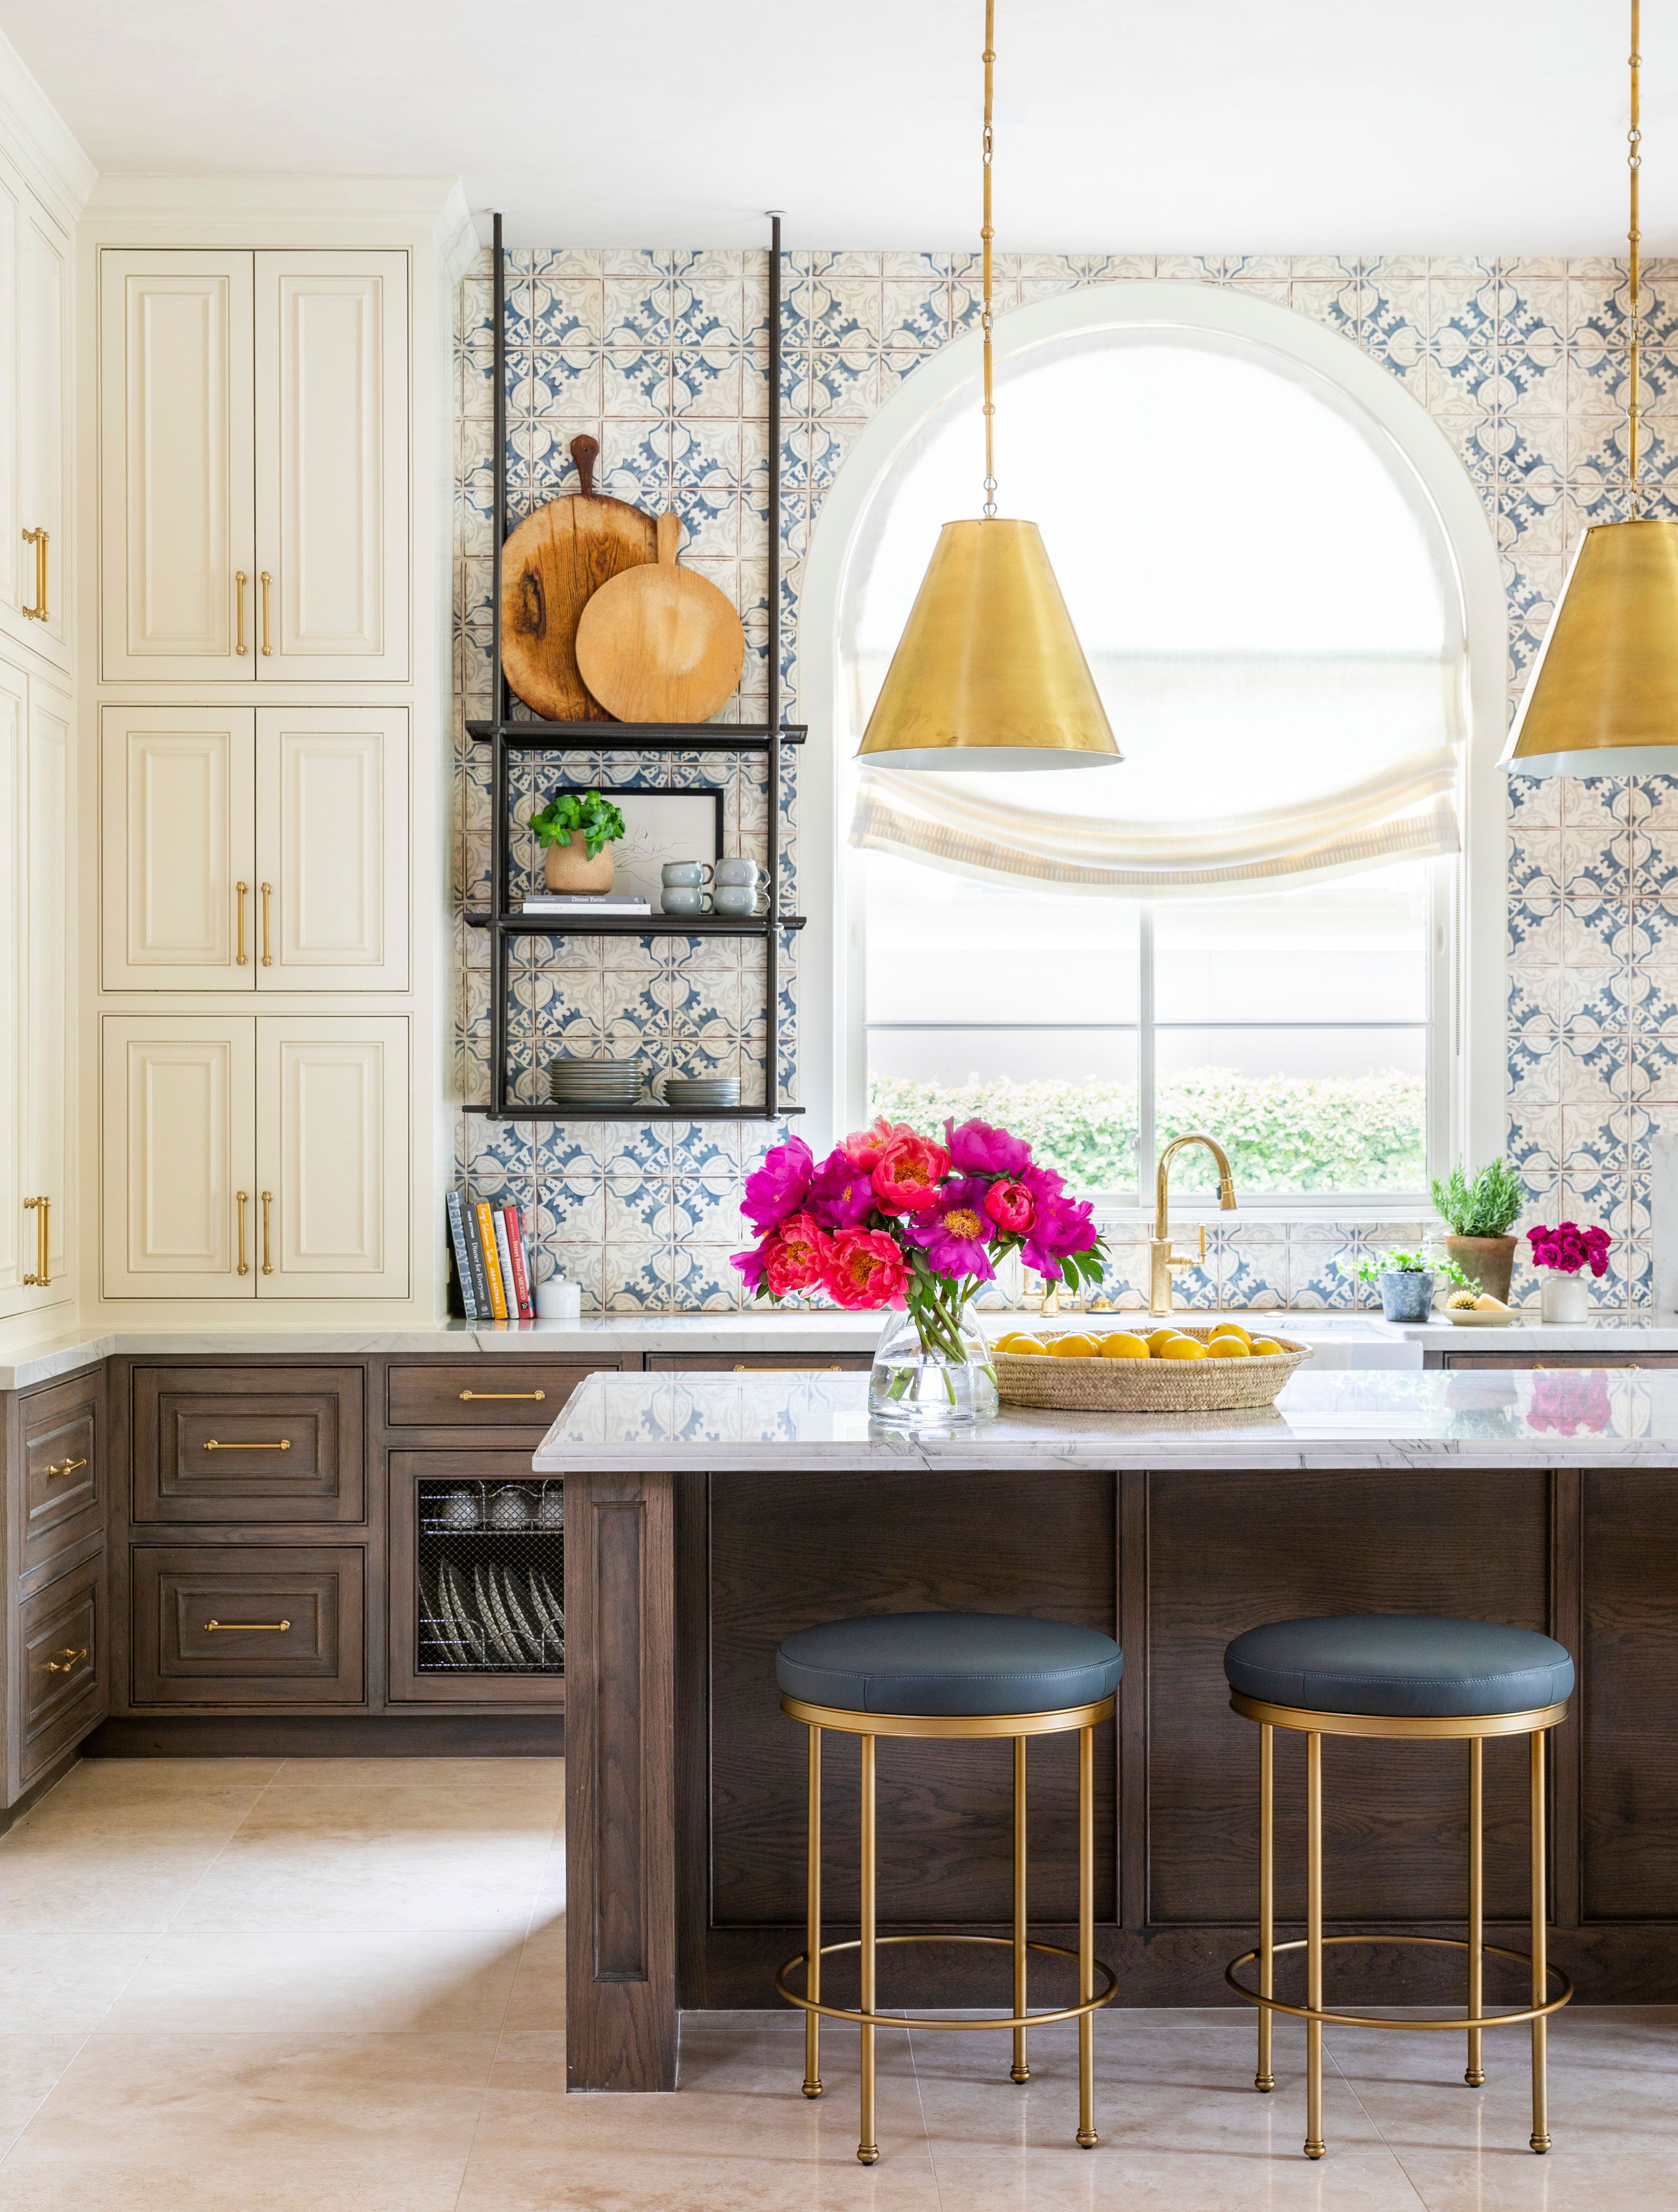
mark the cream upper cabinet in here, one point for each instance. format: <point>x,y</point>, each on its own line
<point>253,466</point>
<point>179,1191</point>
<point>332,1155</point>
<point>332,818</point>
<point>178,523</point>
<point>43,385</point>
<point>17,1228</point>
<point>331,468</point>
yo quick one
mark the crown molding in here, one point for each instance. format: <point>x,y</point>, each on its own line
<point>38,136</point>
<point>235,209</point>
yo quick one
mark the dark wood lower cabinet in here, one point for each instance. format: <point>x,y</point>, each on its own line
<point>275,1624</point>
<point>62,1668</point>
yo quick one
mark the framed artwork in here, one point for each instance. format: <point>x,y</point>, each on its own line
<point>659,825</point>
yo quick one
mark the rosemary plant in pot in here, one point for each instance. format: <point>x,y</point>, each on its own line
<point>1480,1210</point>
<point>901,1223</point>
<point>577,830</point>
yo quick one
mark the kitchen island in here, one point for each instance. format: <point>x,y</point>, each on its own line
<point>708,1516</point>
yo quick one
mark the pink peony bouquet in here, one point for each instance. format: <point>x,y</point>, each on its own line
<point>891,1218</point>
<point>1570,1247</point>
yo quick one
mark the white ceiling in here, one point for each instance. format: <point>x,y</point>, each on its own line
<point>1257,125</point>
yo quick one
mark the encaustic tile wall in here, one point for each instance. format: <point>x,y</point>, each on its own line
<point>662,357</point>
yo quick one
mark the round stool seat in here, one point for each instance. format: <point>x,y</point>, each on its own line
<point>948,1663</point>
<point>1403,1665</point>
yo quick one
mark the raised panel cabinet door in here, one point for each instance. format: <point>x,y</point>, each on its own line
<point>331,460</point>
<point>17,1226</point>
<point>178,586</point>
<point>277,1625</point>
<point>61,1683</point>
<point>179,887</point>
<point>49,1093</point>
<point>332,848</point>
<point>42,374</point>
<point>17,573</point>
<point>179,1182</point>
<point>332,1152</point>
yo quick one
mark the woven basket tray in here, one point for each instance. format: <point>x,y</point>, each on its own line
<point>1148,1386</point>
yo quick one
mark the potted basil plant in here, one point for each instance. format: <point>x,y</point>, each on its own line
<point>1480,1210</point>
<point>577,830</point>
<point>1407,1281</point>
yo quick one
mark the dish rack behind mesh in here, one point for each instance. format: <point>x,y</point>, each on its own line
<point>491,1595</point>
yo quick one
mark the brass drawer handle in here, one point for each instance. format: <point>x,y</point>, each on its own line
<point>243,1197</point>
<point>243,889</point>
<point>67,1661</point>
<point>746,1367</point>
<point>464,1394</point>
<point>247,1626</point>
<point>267,645</point>
<point>241,647</point>
<point>66,1465</point>
<point>42,1209</point>
<point>285,1444</point>
<point>38,540</point>
<point>267,891</point>
<point>268,1195</point>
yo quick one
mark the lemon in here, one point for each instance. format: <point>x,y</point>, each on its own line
<point>1123,1347</point>
<point>1162,1336</point>
<point>1181,1347</point>
<point>1229,1347</point>
<point>1025,1347</point>
<point>1016,1341</point>
<point>1264,1346</point>
<point>1075,1347</point>
<point>1232,1329</point>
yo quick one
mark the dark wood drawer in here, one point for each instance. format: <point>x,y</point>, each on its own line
<point>254,1625</point>
<point>215,1443</point>
<point>61,1644</point>
<point>63,1487</point>
<point>749,1363</point>
<point>480,1393</point>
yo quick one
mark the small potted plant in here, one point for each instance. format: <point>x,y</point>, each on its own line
<point>1407,1281</point>
<point>1480,1209</point>
<point>577,830</point>
<point>1563,1253</point>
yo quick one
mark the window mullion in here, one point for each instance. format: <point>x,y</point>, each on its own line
<point>1146,1143</point>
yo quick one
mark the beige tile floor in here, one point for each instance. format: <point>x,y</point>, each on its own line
<point>259,1985</point>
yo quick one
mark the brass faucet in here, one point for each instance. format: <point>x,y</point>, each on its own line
<point>1162,1257</point>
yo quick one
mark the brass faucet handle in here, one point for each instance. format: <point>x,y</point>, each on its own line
<point>1188,1259</point>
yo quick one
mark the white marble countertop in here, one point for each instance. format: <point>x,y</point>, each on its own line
<point>1352,1418</point>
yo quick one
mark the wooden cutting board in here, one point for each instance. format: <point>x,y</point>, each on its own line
<point>551,566</point>
<point>660,644</point>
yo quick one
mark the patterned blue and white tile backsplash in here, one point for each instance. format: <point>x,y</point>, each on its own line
<point>662,356</point>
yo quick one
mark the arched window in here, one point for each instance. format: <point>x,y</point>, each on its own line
<point>1246,926</point>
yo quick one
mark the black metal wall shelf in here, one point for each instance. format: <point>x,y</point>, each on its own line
<point>506,733</point>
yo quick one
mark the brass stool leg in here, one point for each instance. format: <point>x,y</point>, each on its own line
<point>867,2148</point>
<point>1019,2071</point>
<point>1314,2143</point>
<point>812,1922</point>
<point>1264,2079</point>
<point>1475,2075</point>
<point>1087,2137</point>
<point>1541,2121</point>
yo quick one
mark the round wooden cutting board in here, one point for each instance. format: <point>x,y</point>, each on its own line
<point>551,566</point>
<point>660,644</point>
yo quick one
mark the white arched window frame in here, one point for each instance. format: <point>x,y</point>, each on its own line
<point>1467,1078</point>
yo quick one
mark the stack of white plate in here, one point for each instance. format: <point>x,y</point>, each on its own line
<point>692,1093</point>
<point>586,1083</point>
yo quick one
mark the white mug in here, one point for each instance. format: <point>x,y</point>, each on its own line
<point>684,898</point>
<point>690,873</point>
<point>739,871</point>
<point>559,1300</point>
<point>736,899</point>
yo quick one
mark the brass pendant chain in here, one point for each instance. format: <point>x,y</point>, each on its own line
<point>986,319</point>
<point>1634,240</point>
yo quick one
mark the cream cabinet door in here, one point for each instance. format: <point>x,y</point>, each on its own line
<point>179,1182</point>
<point>17,574</point>
<point>17,1227</point>
<point>331,842</point>
<point>332,1157</point>
<point>49,1097</point>
<point>42,372</point>
<point>331,466</point>
<point>178,874</point>
<point>177,522</point>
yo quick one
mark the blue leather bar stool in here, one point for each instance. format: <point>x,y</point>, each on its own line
<point>1407,1676</point>
<point>944,1675</point>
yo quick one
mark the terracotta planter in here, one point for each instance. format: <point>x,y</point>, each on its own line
<point>1485,1261</point>
<point>568,867</point>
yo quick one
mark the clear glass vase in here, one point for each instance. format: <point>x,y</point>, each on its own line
<point>932,1370</point>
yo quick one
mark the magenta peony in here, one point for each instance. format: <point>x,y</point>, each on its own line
<point>1568,1248</point>
<point>795,1257</point>
<point>977,1148</point>
<point>1063,1226</point>
<point>751,1266</point>
<point>841,1194</point>
<point>954,1232</point>
<point>777,1188</point>
<point>866,1268</point>
<point>1011,1207</point>
<point>908,1173</point>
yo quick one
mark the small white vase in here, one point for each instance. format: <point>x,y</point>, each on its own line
<point>1565,1299</point>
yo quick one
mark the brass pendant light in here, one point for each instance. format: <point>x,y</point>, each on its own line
<point>1602,699</point>
<point>988,673</point>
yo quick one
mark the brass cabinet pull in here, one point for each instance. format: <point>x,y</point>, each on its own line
<point>42,1209</point>
<point>67,1661</point>
<point>285,1444</point>
<point>247,1626</point>
<point>267,949</point>
<point>746,1367</point>
<point>243,890</point>
<point>38,540</point>
<point>66,1465</point>
<point>243,1197</point>
<point>537,1394</point>
<point>267,645</point>
<point>242,579</point>
<point>267,1252</point>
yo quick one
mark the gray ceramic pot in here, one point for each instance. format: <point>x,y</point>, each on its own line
<point>1407,1295</point>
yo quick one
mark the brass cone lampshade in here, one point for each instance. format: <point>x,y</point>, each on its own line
<point>1604,698</point>
<point>988,673</point>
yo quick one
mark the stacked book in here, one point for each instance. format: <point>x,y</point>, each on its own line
<point>571,906</point>
<point>491,1259</point>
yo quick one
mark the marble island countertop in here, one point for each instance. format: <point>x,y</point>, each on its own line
<point>1351,1418</point>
